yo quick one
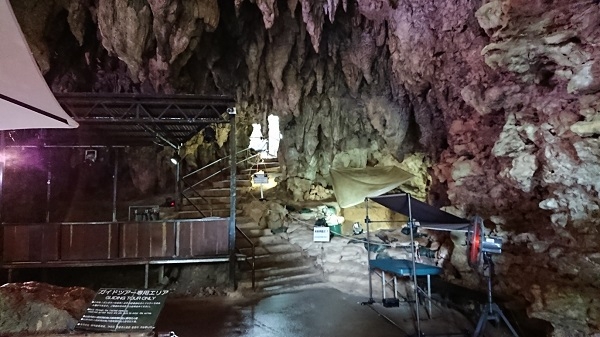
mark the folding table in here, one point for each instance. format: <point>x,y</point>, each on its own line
<point>403,268</point>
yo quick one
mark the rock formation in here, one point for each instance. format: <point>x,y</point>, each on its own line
<point>500,96</point>
<point>37,308</point>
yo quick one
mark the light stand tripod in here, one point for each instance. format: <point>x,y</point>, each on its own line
<point>492,311</point>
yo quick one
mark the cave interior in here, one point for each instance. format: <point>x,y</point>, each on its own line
<point>492,105</point>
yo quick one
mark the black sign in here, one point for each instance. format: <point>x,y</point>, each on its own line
<point>123,310</point>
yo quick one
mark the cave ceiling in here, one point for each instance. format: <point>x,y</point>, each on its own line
<point>501,97</point>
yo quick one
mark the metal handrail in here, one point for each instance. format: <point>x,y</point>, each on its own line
<point>191,187</point>
<point>198,195</point>
<point>213,163</point>
<point>196,207</point>
<point>252,264</point>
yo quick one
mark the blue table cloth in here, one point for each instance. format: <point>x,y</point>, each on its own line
<point>404,267</point>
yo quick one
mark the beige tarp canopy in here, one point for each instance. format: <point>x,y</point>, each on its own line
<point>352,186</point>
<point>26,102</point>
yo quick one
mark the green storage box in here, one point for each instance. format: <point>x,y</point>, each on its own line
<point>336,230</point>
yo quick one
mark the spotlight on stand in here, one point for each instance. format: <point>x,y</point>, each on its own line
<point>480,249</point>
<point>176,159</point>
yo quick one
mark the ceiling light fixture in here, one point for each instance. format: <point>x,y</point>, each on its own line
<point>176,159</point>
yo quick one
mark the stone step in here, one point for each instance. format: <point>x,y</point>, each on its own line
<point>276,271</point>
<point>283,280</point>
<point>223,213</point>
<point>276,257</point>
<point>258,240</point>
<point>271,249</point>
<point>257,233</point>
<point>267,170</point>
<point>225,183</point>
<point>207,208</point>
<point>291,276</point>
<point>246,224</point>
<point>281,264</point>
<point>206,199</point>
<point>241,174</point>
<point>296,285</point>
<point>265,261</point>
<point>267,162</point>
<point>216,192</point>
<point>271,239</point>
<point>215,202</point>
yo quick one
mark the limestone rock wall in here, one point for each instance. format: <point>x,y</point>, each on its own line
<point>38,308</point>
<point>501,96</point>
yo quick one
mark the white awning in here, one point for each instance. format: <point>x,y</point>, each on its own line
<point>26,102</point>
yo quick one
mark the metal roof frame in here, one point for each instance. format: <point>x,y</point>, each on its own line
<point>136,119</point>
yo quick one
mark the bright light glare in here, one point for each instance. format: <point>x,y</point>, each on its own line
<point>8,157</point>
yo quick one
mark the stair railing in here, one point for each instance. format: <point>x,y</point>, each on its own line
<point>192,203</point>
<point>253,255</point>
<point>192,187</point>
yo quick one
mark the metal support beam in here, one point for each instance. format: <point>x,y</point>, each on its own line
<point>146,273</point>
<point>2,166</point>
<point>159,136</point>
<point>414,266</point>
<point>178,197</point>
<point>115,180</point>
<point>161,273</point>
<point>48,186</point>
<point>233,192</point>
<point>368,222</point>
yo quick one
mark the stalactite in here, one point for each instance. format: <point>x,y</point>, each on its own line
<point>125,28</point>
<point>314,17</point>
<point>292,7</point>
<point>269,11</point>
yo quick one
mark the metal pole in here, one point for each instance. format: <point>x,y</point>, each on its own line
<point>429,293</point>
<point>233,192</point>
<point>383,284</point>
<point>178,196</point>
<point>2,165</point>
<point>414,264</point>
<point>489,279</point>
<point>367,221</point>
<point>48,188</point>
<point>115,179</point>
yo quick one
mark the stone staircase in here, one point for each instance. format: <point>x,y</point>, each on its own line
<point>279,265</point>
<point>215,200</point>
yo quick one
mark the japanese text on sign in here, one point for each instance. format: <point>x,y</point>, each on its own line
<point>123,310</point>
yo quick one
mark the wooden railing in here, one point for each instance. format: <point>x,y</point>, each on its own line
<point>96,243</point>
